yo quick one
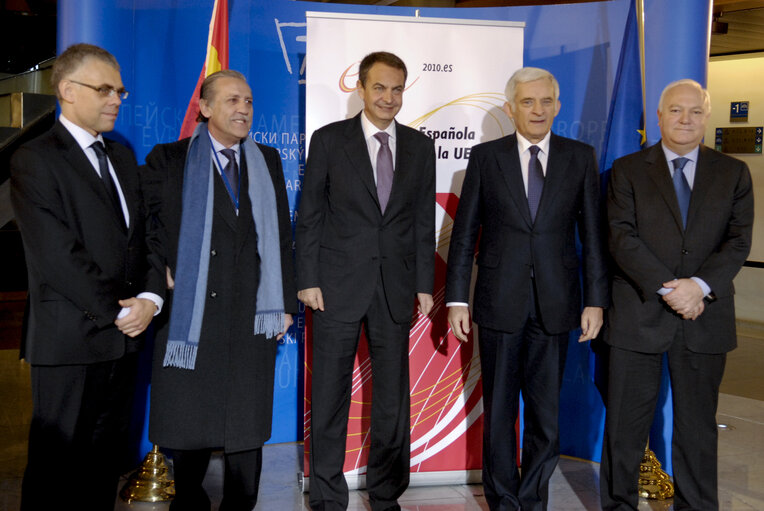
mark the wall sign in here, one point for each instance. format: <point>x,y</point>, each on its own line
<point>739,111</point>
<point>739,140</point>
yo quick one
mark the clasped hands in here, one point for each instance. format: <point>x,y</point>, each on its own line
<point>141,311</point>
<point>685,297</point>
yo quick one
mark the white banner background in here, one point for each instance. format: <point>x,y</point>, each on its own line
<point>457,73</point>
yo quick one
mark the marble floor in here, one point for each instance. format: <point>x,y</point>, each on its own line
<point>574,486</point>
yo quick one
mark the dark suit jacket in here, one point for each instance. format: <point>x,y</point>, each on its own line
<point>649,247</point>
<point>343,239</point>
<point>493,198</point>
<point>227,400</point>
<point>80,260</point>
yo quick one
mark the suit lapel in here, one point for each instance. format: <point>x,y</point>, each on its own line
<point>508,161</point>
<point>554,178</point>
<point>358,153</point>
<point>244,219</point>
<point>404,155</point>
<point>658,170</point>
<point>223,205</point>
<point>125,180</point>
<point>703,182</point>
<point>79,162</point>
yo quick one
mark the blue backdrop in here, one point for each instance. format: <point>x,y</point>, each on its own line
<point>161,45</point>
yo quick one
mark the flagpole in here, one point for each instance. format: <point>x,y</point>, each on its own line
<point>641,37</point>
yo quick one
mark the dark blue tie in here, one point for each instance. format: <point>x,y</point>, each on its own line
<point>535,181</point>
<point>231,171</point>
<point>682,188</point>
<point>108,182</point>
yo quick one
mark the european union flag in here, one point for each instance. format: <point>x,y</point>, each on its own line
<point>624,135</point>
<point>625,123</point>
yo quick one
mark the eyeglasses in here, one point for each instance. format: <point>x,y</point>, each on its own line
<point>104,91</point>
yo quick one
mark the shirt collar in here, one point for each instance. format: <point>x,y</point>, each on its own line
<point>369,130</point>
<point>84,138</point>
<point>217,146</point>
<point>523,143</point>
<point>671,155</point>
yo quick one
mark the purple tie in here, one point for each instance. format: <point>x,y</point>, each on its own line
<point>384,170</point>
<point>535,181</point>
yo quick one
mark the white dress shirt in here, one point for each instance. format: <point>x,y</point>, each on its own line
<point>85,140</point>
<point>373,145</point>
<point>523,150</point>
<point>689,174</point>
<point>221,160</point>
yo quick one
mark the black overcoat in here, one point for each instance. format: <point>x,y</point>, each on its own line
<point>227,400</point>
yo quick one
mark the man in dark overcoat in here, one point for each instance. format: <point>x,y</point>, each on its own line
<point>222,214</point>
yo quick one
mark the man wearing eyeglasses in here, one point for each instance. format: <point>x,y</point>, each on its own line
<point>94,286</point>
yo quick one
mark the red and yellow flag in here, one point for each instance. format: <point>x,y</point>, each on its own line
<point>217,59</point>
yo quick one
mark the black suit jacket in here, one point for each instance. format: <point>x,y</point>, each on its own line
<point>511,246</point>
<point>343,239</point>
<point>650,247</point>
<point>80,260</point>
<point>227,400</point>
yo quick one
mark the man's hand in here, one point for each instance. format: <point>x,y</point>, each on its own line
<point>137,320</point>
<point>693,314</point>
<point>591,322</point>
<point>425,303</point>
<point>170,281</point>
<point>685,297</point>
<point>459,321</point>
<point>288,320</point>
<point>312,297</point>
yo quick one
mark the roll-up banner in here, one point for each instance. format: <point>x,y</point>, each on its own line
<point>457,72</point>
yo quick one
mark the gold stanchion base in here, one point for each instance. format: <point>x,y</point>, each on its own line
<point>654,483</point>
<point>151,482</point>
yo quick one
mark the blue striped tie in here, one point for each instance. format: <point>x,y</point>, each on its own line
<point>682,188</point>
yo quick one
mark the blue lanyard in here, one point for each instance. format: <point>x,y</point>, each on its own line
<point>234,198</point>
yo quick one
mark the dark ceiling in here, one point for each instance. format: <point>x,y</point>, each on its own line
<point>28,27</point>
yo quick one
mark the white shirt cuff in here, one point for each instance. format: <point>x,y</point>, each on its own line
<point>158,301</point>
<point>702,283</point>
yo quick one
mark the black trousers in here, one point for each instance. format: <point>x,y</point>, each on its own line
<point>634,383</point>
<point>334,349</point>
<point>241,480</point>
<point>530,361</point>
<point>78,433</point>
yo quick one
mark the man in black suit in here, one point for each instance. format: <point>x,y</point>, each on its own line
<point>681,218</point>
<point>231,301</point>
<point>365,253</point>
<point>92,288</point>
<point>528,192</point>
